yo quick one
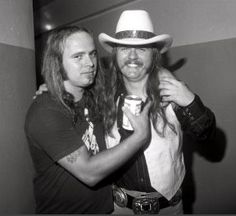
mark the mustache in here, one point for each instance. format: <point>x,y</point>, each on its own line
<point>137,62</point>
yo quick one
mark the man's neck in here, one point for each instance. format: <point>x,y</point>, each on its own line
<point>136,88</point>
<point>77,92</point>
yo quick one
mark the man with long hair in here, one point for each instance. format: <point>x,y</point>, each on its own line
<point>151,181</point>
<point>65,131</point>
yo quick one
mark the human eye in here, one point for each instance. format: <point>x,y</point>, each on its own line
<point>78,56</point>
<point>93,54</point>
<point>141,49</point>
<point>123,48</point>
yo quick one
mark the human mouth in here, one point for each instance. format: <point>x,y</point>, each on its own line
<point>133,64</point>
<point>89,72</point>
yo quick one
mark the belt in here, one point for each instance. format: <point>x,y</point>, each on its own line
<point>145,203</point>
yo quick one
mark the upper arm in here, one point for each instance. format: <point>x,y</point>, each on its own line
<point>54,133</point>
<point>62,142</point>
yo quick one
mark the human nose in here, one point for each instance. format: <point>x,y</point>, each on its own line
<point>89,61</point>
<point>133,54</point>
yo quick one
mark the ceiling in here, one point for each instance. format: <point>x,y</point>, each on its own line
<point>50,14</point>
<point>37,4</point>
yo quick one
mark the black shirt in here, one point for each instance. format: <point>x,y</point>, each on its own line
<point>52,135</point>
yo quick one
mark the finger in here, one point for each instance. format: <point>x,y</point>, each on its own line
<point>165,92</point>
<point>165,73</point>
<point>128,113</point>
<point>166,98</point>
<point>126,110</point>
<point>167,85</point>
<point>164,85</point>
<point>43,87</point>
<point>147,107</point>
<point>38,92</point>
<point>168,80</point>
<point>171,88</point>
<point>164,104</point>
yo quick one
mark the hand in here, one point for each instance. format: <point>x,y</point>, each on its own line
<point>42,88</point>
<point>173,90</point>
<point>140,123</point>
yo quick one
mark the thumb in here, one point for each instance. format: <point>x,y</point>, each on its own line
<point>164,73</point>
<point>128,113</point>
<point>43,87</point>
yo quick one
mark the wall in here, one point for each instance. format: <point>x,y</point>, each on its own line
<point>17,86</point>
<point>209,69</point>
<point>203,55</point>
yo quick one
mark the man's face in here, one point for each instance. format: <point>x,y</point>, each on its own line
<point>134,62</point>
<point>80,60</point>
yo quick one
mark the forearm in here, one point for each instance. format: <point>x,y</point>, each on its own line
<point>106,162</point>
<point>197,119</point>
<point>91,169</point>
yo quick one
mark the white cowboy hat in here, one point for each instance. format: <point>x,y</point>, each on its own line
<point>135,27</point>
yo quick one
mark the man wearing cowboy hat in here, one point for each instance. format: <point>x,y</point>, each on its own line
<point>150,183</point>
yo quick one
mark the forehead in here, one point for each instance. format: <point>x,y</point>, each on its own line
<point>79,41</point>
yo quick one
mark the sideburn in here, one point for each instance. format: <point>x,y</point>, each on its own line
<point>63,73</point>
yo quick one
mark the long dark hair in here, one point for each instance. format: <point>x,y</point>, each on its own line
<point>54,73</point>
<point>115,86</point>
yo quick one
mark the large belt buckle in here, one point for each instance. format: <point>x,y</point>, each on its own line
<point>119,196</point>
<point>146,205</point>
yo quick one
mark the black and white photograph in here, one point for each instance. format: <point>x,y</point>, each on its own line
<point>117,107</point>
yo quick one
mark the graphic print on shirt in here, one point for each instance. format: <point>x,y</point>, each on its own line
<point>89,139</point>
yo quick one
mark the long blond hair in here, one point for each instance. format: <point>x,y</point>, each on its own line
<point>53,70</point>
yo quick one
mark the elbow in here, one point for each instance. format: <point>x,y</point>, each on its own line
<point>91,180</point>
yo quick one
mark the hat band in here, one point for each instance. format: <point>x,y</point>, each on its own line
<point>134,34</point>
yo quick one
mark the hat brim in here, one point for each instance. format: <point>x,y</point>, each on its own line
<point>163,42</point>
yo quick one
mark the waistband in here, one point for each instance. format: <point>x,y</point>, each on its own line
<point>134,193</point>
<point>142,202</point>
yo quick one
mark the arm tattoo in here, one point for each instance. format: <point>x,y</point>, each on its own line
<point>73,156</point>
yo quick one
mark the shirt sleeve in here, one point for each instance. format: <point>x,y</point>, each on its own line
<point>197,119</point>
<point>54,133</point>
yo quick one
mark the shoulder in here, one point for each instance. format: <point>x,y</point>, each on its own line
<point>42,102</point>
<point>44,109</point>
<point>45,102</point>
